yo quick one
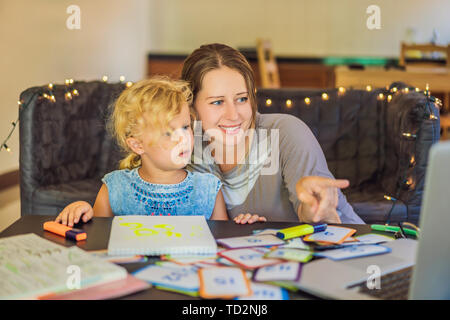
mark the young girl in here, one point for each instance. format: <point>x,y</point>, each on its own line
<point>151,121</point>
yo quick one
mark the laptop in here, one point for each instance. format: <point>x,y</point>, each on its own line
<point>414,269</point>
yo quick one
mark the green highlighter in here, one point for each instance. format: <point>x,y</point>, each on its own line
<point>301,230</point>
<point>380,227</point>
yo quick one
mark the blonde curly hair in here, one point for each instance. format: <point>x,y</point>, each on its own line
<point>150,103</point>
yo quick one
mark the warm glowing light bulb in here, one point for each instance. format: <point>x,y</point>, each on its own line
<point>122,78</point>
<point>129,84</point>
<point>50,86</point>
<point>324,96</point>
<point>369,88</point>
<point>389,98</point>
<point>341,90</point>
<point>288,103</point>
<point>380,96</point>
<point>268,102</point>
<point>75,92</point>
<point>104,78</point>
<point>307,100</point>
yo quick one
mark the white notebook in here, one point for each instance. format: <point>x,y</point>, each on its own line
<point>31,266</point>
<point>157,235</point>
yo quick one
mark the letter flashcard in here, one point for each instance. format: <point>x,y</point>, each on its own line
<point>332,234</point>
<point>223,282</point>
<point>251,241</point>
<point>248,258</point>
<point>288,271</point>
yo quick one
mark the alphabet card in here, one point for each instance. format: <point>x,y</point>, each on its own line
<point>263,291</point>
<point>250,241</point>
<point>295,243</point>
<point>332,234</point>
<point>223,282</point>
<point>248,258</point>
<point>176,278</point>
<point>265,231</point>
<point>353,252</point>
<point>372,238</point>
<point>290,254</point>
<point>288,271</point>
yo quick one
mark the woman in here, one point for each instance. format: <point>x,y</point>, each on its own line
<point>301,188</point>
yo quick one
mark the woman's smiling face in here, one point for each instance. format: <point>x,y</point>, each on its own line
<point>223,105</point>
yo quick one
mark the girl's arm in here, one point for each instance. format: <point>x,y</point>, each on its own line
<point>220,211</point>
<point>77,210</point>
<point>102,208</point>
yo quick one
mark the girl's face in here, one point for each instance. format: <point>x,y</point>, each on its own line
<point>173,149</point>
<point>223,106</point>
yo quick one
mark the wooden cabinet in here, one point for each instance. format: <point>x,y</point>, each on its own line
<point>294,72</point>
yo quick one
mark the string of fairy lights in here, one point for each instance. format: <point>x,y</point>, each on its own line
<point>406,182</point>
<point>387,95</point>
<point>47,93</point>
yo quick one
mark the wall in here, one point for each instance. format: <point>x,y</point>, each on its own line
<point>37,48</point>
<point>297,27</point>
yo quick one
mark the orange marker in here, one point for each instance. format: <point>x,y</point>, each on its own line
<point>65,231</point>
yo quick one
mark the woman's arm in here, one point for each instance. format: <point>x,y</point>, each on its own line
<point>319,199</point>
<point>220,211</point>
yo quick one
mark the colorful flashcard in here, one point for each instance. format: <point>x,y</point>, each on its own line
<point>287,271</point>
<point>262,291</point>
<point>193,293</point>
<point>178,278</point>
<point>223,282</point>
<point>226,262</point>
<point>290,254</point>
<point>207,264</point>
<point>265,231</point>
<point>189,260</point>
<point>248,258</point>
<point>372,238</point>
<point>332,234</point>
<point>296,243</point>
<point>353,252</point>
<point>250,241</point>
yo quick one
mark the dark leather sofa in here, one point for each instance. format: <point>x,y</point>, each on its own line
<point>65,149</point>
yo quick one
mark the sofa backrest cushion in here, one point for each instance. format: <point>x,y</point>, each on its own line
<point>348,125</point>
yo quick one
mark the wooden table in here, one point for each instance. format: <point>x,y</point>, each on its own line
<point>98,231</point>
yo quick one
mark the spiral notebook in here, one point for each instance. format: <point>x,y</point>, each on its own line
<point>158,235</point>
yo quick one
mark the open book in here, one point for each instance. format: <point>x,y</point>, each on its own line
<point>31,267</point>
<point>157,235</point>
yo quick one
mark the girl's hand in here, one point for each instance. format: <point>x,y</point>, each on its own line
<point>249,218</point>
<point>73,212</point>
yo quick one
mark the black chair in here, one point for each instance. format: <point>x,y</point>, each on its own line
<point>378,139</point>
<point>65,149</point>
